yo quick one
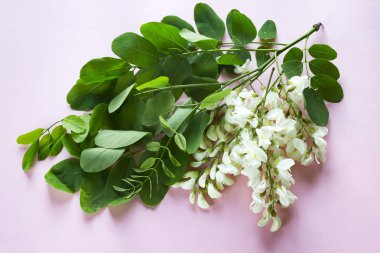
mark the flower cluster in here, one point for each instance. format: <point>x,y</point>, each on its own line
<point>260,135</point>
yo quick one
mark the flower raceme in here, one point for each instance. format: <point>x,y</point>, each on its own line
<point>260,135</point>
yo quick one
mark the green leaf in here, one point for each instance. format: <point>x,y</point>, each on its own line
<point>177,68</point>
<point>194,132</point>
<point>147,74</point>
<point>179,117</point>
<point>74,124</point>
<point>268,31</point>
<point>322,66</point>
<point>80,137</point>
<point>167,171</point>
<point>180,140</point>
<point>135,49</point>
<point>214,98</point>
<point>124,82</point>
<point>159,104</point>
<point>30,156</point>
<point>240,28</point>
<point>178,170</point>
<point>163,36</point>
<point>97,191</point>
<point>85,97</point>
<point>100,119</point>
<point>205,65</point>
<point>159,82</point>
<point>66,175</point>
<point>322,51</point>
<point>328,88</point>
<point>71,146</point>
<point>153,146</point>
<point>119,99</point>
<point>103,69</point>
<point>44,147</point>
<point>230,59</point>
<point>30,137</point>
<point>208,23</point>
<point>292,68</point>
<point>57,135</point>
<point>98,159</point>
<point>316,107</point>
<point>262,56</point>
<point>199,40</point>
<point>56,148</point>
<point>294,54</point>
<point>165,125</point>
<point>130,115</point>
<point>117,138</point>
<point>177,22</point>
<point>199,93</point>
<point>148,163</point>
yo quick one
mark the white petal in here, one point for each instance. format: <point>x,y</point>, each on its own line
<point>276,224</point>
<point>228,168</point>
<point>212,192</point>
<point>202,203</point>
<point>192,197</point>
<point>199,156</point>
<point>300,145</point>
<point>264,220</point>
<point>285,164</point>
<point>202,180</point>
<point>211,133</point>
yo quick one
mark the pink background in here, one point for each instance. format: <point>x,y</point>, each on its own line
<point>44,43</point>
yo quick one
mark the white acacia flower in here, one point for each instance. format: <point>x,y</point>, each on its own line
<point>199,156</point>
<point>276,224</point>
<point>264,135</point>
<point>191,176</point>
<point>264,220</point>
<point>272,100</point>
<point>245,68</point>
<point>283,167</point>
<point>192,197</point>
<point>201,201</point>
<point>212,191</point>
<point>202,179</point>
<point>295,88</point>
<point>257,204</point>
<point>286,197</point>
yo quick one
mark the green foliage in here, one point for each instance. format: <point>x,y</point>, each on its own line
<point>103,69</point>
<point>205,65</point>
<point>159,82</point>
<point>322,51</point>
<point>199,40</point>
<point>208,22</point>
<point>322,66</point>
<point>177,68</point>
<point>230,59</point>
<point>240,28</point>
<point>194,131</point>
<point>177,22</point>
<point>30,156</point>
<point>98,159</point>
<point>215,98</point>
<point>262,56</point>
<point>159,104</point>
<point>294,54</point>
<point>66,175</point>
<point>118,139</point>
<point>74,124</point>
<point>316,107</point>
<point>163,36</point>
<point>30,137</point>
<point>268,31</point>
<point>117,101</point>
<point>329,89</point>
<point>135,49</point>
<point>292,68</point>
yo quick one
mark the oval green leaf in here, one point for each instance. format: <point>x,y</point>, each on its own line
<point>316,107</point>
<point>177,22</point>
<point>328,88</point>
<point>98,159</point>
<point>322,66</point>
<point>117,138</point>
<point>74,124</point>
<point>159,82</point>
<point>292,68</point>
<point>268,31</point>
<point>294,54</point>
<point>30,156</point>
<point>208,23</point>
<point>30,137</point>
<point>135,49</point>
<point>214,98</point>
<point>117,101</point>
<point>240,28</point>
<point>322,51</point>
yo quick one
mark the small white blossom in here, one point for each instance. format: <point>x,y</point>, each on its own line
<point>245,68</point>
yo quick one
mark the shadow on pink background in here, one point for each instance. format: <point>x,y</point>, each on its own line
<point>43,45</point>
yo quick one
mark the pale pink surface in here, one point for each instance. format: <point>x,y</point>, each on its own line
<point>43,45</point>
